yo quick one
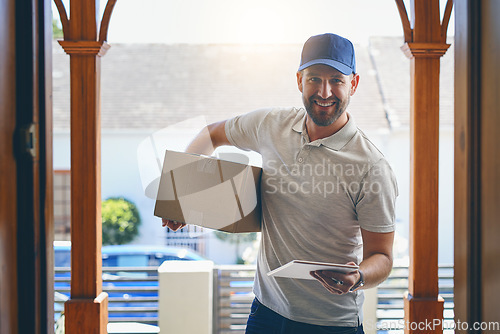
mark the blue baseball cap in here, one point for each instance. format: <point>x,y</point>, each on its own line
<point>329,49</point>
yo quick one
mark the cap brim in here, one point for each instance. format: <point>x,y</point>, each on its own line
<point>344,69</point>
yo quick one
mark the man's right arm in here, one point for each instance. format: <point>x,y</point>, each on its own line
<point>211,137</point>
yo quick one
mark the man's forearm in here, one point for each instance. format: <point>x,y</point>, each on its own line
<point>376,269</point>
<point>201,144</point>
<point>209,138</point>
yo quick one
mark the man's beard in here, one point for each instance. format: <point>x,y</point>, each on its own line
<point>322,120</point>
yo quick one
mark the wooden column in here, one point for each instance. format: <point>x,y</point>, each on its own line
<point>87,307</point>
<point>425,43</point>
<point>86,311</point>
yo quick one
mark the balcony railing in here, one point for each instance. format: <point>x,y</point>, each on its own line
<point>233,297</point>
<point>390,313</point>
<point>133,293</point>
<point>133,296</point>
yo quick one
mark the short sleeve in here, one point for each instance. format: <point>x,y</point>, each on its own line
<point>376,203</point>
<point>243,131</point>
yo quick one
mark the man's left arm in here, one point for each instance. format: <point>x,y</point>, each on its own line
<point>376,265</point>
<point>377,257</point>
<point>375,211</point>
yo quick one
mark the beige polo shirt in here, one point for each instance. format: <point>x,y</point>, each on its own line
<point>315,197</point>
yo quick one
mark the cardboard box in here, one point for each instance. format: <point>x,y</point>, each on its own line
<point>209,192</point>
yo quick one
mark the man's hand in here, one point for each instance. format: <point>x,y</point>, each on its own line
<point>376,265</point>
<point>172,224</point>
<point>335,282</point>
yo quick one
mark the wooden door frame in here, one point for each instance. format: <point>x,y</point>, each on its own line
<point>467,156</point>
<point>33,151</point>
<point>8,171</point>
<point>477,178</point>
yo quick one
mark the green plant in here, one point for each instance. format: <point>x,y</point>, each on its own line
<point>120,221</point>
<point>57,32</point>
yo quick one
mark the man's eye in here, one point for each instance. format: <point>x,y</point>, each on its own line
<point>314,79</point>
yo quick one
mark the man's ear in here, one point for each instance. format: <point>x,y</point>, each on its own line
<point>299,80</point>
<point>354,83</point>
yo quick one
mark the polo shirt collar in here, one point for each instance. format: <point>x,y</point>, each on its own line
<point>336,141</point>
<point>300,121</point>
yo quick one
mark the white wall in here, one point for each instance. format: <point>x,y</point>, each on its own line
<point>397,152</point>
<point>446,195</point>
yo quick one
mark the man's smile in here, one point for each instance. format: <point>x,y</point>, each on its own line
<point>324,104</point>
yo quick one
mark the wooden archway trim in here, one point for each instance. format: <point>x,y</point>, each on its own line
<point>106,17</point>
<point>85,48</point>
<point>446,19</point>
<point>428,50</point>
<point>404,20</point>
<point>63,15</point>
<point>103,29</point>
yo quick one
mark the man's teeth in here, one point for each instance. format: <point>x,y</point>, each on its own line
<point>329,104</point>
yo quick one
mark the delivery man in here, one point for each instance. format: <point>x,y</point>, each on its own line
<point>328,195</point>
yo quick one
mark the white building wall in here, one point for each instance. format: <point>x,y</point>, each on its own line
<point>446,195</point>
<point>397,152</point>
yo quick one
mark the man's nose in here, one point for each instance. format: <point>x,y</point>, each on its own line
<point>325,90</point>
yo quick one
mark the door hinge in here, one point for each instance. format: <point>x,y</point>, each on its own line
<point>29,139</point>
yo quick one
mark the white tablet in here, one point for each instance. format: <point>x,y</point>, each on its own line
<point>300,269</point>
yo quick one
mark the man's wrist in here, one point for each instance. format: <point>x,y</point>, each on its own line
<point>359,283</point>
